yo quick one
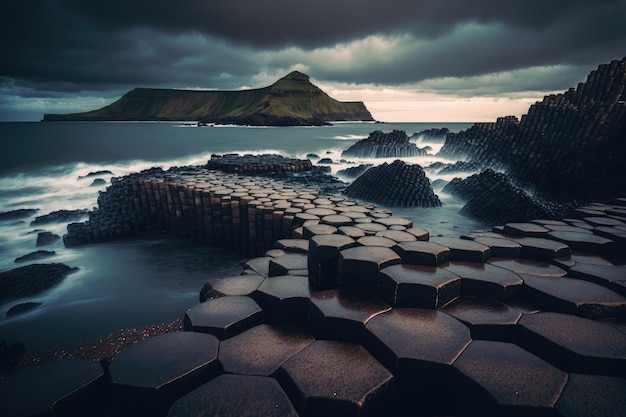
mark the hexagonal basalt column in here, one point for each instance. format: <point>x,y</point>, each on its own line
<point>337,378</point>
<point>592,396</point>
<point>500,247</point>
<point>464,250</point>
<point>69,387</point>
<point>235,395</point>
<point>541,249</point>
<point>526,266</point>
<point>583,242</point>
<point>573,343</point>
<point>351,231</point>
<point>237,285</point>
<point>224,317</point>
<point>485,280</point>
<point>358,267</point>
<point>376,241</point>
<point>282,265</point>
<point>407,285</point>
<point>504,379</point>
<point>336,220</point>
<point>371,229</point>
<point>487,319</point>
<point>151,374</point>
<point>420,234</point>
<point>342,315</point>
<point>262,349</point>
<point>524,229</point>
<point>573,296</point>
<point>397,235</point>
<point>418,346</point>
<point>323,260</point>
<point>395,221</point>
<point>422,253</point>
<point>293,245</point>
<point>610,276</point>
<point>318,229</point>
<point>285,299</point>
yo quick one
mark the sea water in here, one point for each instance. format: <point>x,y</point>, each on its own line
<point>142,281</point>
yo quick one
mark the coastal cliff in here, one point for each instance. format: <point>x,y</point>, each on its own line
<point>568,147</point>
<point>291,101</point>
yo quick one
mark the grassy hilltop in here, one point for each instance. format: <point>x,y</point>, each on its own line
<point>292,100</point>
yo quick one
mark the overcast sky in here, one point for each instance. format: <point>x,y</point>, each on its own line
<point>408,60</point>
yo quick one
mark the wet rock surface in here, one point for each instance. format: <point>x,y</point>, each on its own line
<point>353,327</point>
<point>384,145</point>
<point>31,280</point>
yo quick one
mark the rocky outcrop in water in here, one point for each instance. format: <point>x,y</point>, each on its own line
<point>257,164</point>
<point>568,147</point>
<point>17,214</point>
<point>384,145</point>
<point>493,198</point>
<point>60,216</point>
<point>435,135</point>
<point>31,280</point>
<point>354,172</point>
<point>394,185</point>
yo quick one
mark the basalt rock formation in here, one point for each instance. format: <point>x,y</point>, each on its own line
<point>354,172</point>
<point>568,147</point>
<point>493,198</point>
<point>384,145</point>
<point>291,101</point>
<point>394,185</point>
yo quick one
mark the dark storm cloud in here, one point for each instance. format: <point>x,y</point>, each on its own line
<point>76,45</point>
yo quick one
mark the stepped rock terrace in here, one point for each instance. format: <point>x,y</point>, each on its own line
<point>347,310</point>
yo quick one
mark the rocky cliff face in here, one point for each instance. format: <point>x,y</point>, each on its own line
<point>384,145</point>
<point>291,101</point>
<point>569,146</point>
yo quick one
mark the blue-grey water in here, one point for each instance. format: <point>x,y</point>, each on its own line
<point>146,280</point>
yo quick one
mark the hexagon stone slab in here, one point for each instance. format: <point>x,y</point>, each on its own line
<point>281,265</point>
<point>407,285</point>
<point>464,250</point>
<point>224,317</point>
<point>573,296</point>
<point>69,387</point>
<point>504,379</point>
<point>422,253</point>
<point>610,276</point>
<point>151,374</point>
<point>541,249</point>
<point>418,346</point>
<point>486,280</point>
<point>323,260</point>
<point>573,343</point>
<point>342,315</point>
<point>285,299</point>
<point>593,396</point>
<point>524,229</point>
<point>235,395</point>
<point>486,319</point>
<point>500,247</point>
<point>237,285</point>
<point>321,380</point>
<point>261,350</point>
<point>529,267</point>
<point>359,267</point>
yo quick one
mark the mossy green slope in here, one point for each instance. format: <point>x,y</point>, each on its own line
<point>292,100</point>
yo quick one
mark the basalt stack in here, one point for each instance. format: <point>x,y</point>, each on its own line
<point>394,185</point>
<point>568,147</point>
<point>384,145</point>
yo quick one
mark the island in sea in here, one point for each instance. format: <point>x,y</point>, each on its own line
<point>291,101</point>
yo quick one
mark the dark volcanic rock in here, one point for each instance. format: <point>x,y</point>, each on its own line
<point>46,238</point>
<point>97,182</point>
<point>460,166</point>
<point>354,172</point>
<point>33,256</point>
<point>393,185</point>
<point>568,147</point>
<point>432,135</point>
<point>96,174</point>
<point>60,216</point>
<point>493,198</point>
<point>17,214</point>
<point>256,164</point>
<point>22,308</point>
<point>31,280</point>
<point>384,145</point>
<point>325,161</point>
